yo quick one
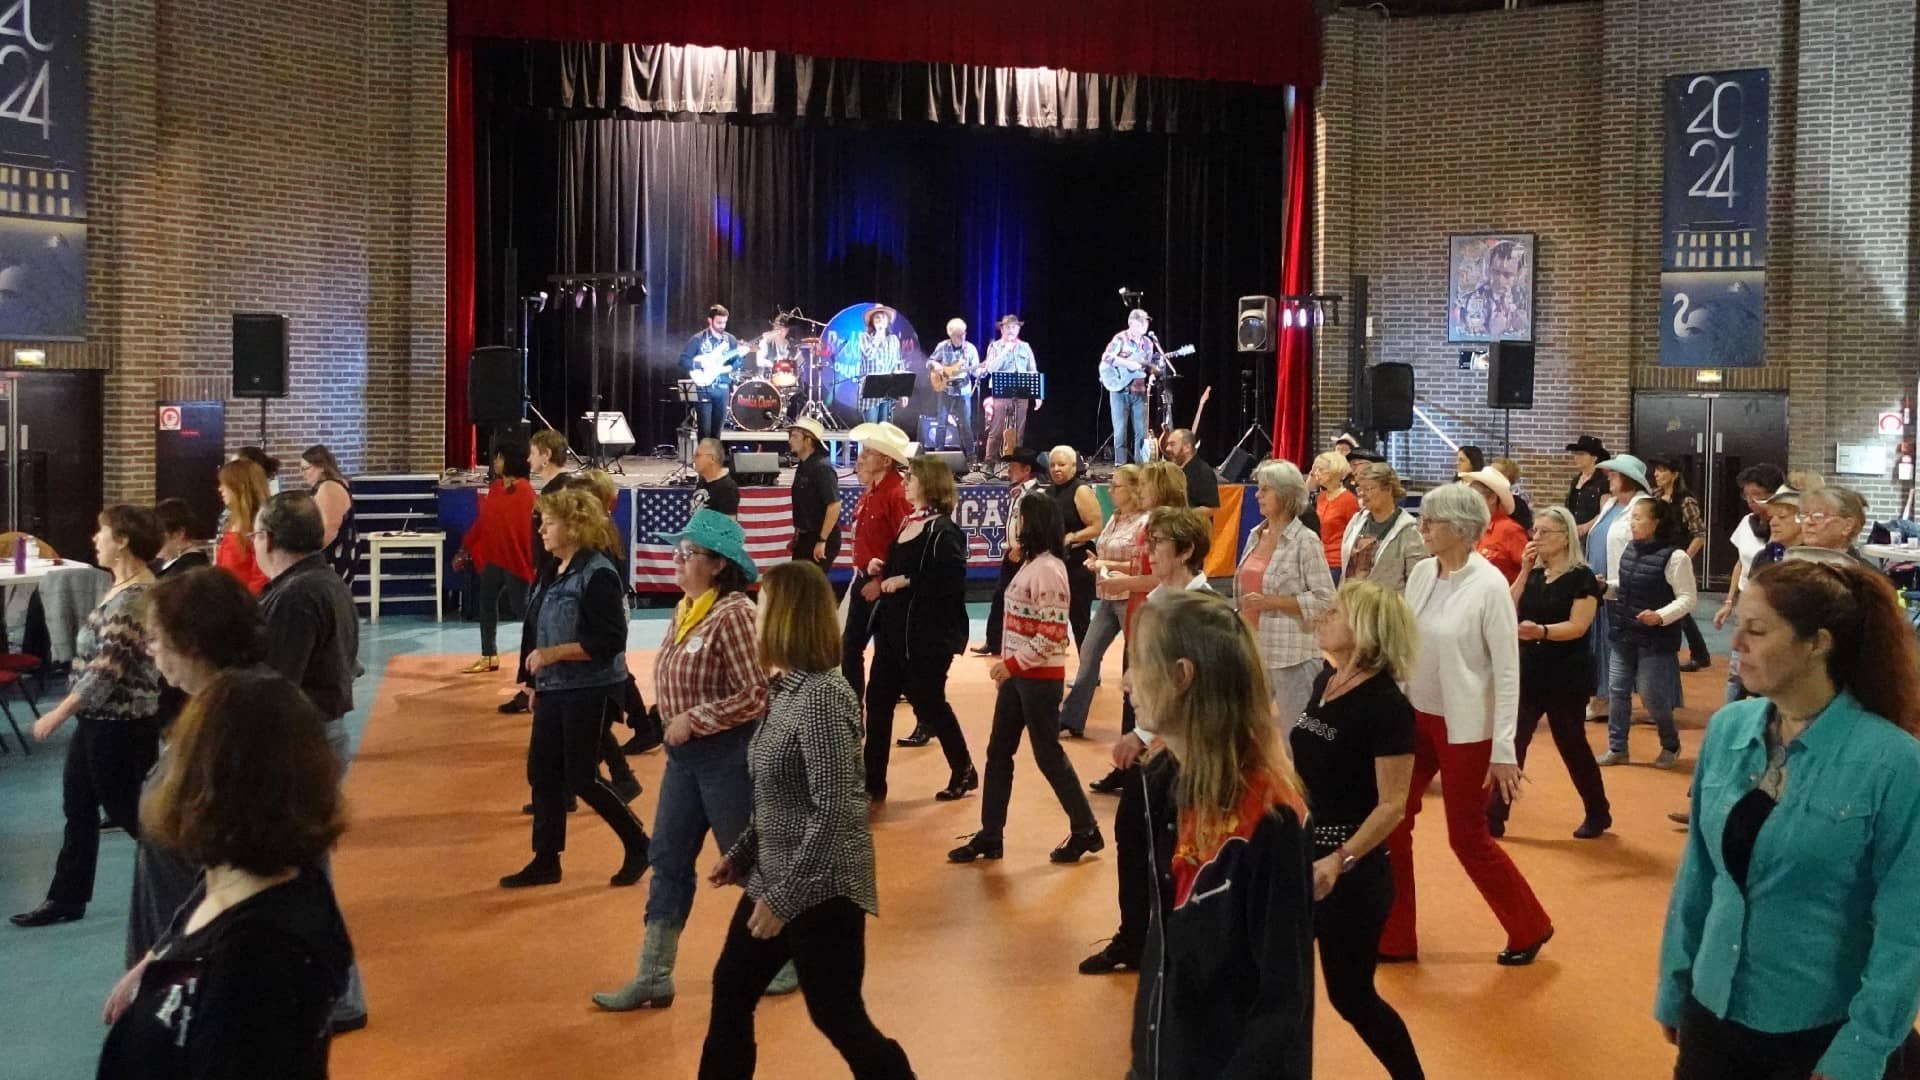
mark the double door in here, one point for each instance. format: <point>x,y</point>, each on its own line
<point>1711,437</point>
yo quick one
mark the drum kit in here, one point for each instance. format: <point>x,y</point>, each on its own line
<point>784,389</point>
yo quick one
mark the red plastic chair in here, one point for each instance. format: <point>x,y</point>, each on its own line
<point>15,679</point>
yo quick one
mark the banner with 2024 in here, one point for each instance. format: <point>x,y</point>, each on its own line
<point>43,169</point>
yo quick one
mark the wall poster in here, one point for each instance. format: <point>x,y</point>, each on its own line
<point>1713,271</point>
<point>43,169</point>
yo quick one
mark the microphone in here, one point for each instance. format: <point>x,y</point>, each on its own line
<point>1124,291</point>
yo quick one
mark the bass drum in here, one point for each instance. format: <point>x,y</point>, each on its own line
<point>756,406</point>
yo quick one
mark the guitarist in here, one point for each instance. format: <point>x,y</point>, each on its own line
<point>879,349</point>
<point>713,399</point>
<point>1007,415</point>
<point>1129,358</point>
<point>950,370</point>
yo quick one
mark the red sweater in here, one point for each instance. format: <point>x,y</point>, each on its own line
<point>1504,544</point>
<point>502,534</point>
<point>1336,509</point>
<point>237,559</point>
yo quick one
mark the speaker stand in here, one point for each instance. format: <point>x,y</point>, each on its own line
<point>1506,439</point>
<point>263,423</point>
<point>1266,437</point>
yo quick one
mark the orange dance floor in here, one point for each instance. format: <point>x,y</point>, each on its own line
<point>971,968</point>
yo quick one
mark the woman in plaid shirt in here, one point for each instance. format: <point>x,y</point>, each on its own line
<point>1281,586</point>
<point>711,692</point>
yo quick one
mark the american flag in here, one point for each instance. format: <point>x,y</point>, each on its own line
<point>766,513</point>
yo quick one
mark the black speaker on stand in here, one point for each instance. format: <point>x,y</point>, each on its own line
<point>1509,383</point>
<point>260,359</point>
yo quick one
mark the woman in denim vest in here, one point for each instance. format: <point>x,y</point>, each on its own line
<point>578,666</point>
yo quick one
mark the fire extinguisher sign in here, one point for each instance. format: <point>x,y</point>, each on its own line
<point>169,418</point>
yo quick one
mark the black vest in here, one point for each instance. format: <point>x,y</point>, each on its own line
<point>1641,581</point>
<point>1063,496</point>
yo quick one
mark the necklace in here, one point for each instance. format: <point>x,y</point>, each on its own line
<point>1343,680</point>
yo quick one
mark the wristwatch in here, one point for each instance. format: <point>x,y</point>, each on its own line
<point>1347,858</point>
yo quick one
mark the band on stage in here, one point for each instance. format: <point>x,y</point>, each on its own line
<point>770,381</point>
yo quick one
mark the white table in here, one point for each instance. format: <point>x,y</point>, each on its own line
<point>380,543</point>
<point>1890,554</point>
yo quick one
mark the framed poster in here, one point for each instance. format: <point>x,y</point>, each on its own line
<point>1490,287</point>
<point>43,170</point>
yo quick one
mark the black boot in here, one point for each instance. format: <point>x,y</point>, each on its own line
<point>1078,844</point>
<point>920,737</point>
<point>1109,784</point>
<point>633,866</point>
<point>962,781</point>
<point>978,846</point>
<point>543,870</point>
<point>514,704</point>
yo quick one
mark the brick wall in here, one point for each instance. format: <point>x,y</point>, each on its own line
<point>1548,121</point>
<point>270,156</point>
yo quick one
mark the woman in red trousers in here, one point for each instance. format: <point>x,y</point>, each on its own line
<point>1465,690</point>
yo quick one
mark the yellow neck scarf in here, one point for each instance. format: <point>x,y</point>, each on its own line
<point>689,611</point>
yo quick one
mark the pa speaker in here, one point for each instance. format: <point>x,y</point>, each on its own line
<point>1510,375</point>
<point>1390,392</point>
<point>753,467</point>
<point>1238,466</point>
<point>1255,332</point>
<point>494,390</point>
<point>259,355</point>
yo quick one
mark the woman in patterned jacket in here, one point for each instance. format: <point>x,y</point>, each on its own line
<point>114,704</point>
<point>806,857</point>
<point>1031,671</point>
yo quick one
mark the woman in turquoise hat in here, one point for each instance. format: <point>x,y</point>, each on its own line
<point>711,691</point>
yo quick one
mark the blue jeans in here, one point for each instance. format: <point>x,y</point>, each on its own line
<point>712,408</point>
<point>1600,645</point>
<point>1129,425</point>
<point>1736,691</point>
<point>1656,672</point>
<point>1101,632</point>
<point>705,787</point>
<point>878,411</point>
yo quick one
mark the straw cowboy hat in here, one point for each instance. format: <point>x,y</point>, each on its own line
<point>883,438</point>
<point>1493,480</point>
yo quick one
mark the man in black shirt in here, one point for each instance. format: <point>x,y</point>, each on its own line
<point>717,490</point>
<point>1203,484</point>
<point>816,496</point>
<point>313,640</point>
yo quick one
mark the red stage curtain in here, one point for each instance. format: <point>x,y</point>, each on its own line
<point>1270,42</point>
<point>460,248</point>
<point>1293,396</point>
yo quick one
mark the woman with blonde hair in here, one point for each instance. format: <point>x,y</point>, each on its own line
<point>1226,983</point>
<point>1281,585</point>
<point>806,855</point>
<point>243,491</point>
<point>1354,749</point>
<point>1114,551</point>
<point>1556,596</point>
<point>578,663</point>
<point>1333,505</point>
<point>1381,543</point>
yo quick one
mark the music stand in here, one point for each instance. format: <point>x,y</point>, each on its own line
<point>687,435</point>
<point>898,384</point>
<point>1016,384</point>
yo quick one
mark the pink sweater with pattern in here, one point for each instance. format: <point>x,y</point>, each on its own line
<point>1033,641</point>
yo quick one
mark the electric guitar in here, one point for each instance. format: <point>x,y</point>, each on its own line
<point>1118,374</point>
<point>709,368</point>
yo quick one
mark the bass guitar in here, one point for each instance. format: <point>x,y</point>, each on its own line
<point>709,368</point>
<point>1117,373</point>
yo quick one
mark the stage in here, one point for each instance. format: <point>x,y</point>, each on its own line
<point>651,502</point>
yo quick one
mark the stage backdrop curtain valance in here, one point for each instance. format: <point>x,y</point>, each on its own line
<point>681,82</point>
<point>1270,42</point>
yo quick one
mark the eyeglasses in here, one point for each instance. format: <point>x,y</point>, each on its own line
<point>682,554</point>
<point>1818,517</point>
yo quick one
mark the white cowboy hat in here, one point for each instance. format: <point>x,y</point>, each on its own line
<point>883,438</point>
<point>1495,481</point>
<point>812,427</point>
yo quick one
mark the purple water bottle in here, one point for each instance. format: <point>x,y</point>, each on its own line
<point>20,553</point>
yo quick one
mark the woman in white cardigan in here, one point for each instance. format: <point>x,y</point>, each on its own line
<point>1465,690</point>
<point>1381,543</point>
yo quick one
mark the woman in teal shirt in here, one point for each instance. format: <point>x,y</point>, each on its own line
<point>1792,948</point>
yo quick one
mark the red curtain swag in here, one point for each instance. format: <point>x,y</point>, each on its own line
<point>1293,383</point>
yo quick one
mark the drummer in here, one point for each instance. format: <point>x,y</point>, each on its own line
<point>773,350</point>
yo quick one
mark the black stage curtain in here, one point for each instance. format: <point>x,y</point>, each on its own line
<point>936,220</point>
<point>680,81</point>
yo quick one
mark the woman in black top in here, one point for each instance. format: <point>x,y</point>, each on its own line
<point>1354,749</point>
<point>1557,596</point>
<point>331,491</point>
<point>180,547</point>
<point>243,982</point>
<point>920,624</point>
